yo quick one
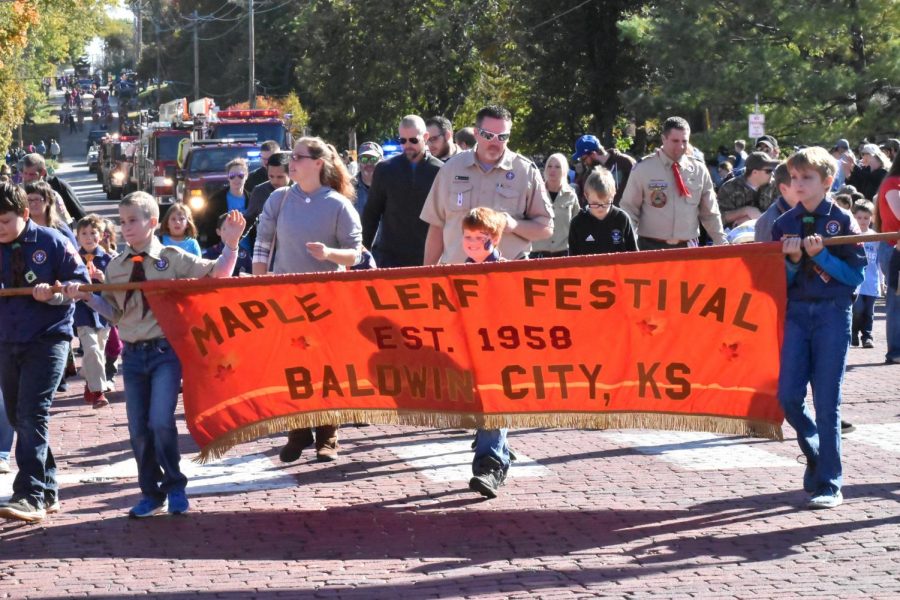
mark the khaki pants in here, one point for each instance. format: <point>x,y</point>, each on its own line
<point>93,365</point>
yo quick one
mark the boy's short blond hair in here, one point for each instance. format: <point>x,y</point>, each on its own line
<point>485,219</point>
<point>601,182</point>
<point>143,201</point>
<point>814,158</point>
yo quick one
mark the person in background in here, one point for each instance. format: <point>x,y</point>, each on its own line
<point>465,138</point>
<point>370,154</point>
<point>440,138</point>
<point>235,196</point>
<point>870,290</point>
<point>601,227</point>
<point>565,207</point>
<point>178,229</point>
<point>261,174</point>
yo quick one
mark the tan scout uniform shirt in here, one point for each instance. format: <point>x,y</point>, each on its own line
<point>161,262</point>
<point>565,207</point>
<point>513,186</point>
<point>657,211</point>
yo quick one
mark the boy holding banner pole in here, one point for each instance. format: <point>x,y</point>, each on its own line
<point>152,371</point>
<point>821,282</point>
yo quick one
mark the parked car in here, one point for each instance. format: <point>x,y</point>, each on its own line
<point>93,160</point>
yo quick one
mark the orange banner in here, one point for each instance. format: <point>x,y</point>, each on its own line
<point>677,339</point>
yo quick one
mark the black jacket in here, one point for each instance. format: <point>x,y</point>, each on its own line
<point>395,201</point>
<point>260,175</point>
<point>73,205</point>
<point>206,220</point>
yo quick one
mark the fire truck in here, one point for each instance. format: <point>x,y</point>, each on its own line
<point>116,159</point>
<point>202,171</point>
<point>264,123</point>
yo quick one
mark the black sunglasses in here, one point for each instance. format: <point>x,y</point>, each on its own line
<point>403,141</point>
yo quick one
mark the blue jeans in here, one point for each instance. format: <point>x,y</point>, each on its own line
<point>152,374</point>
<point>889,261</point>
<point>863,317</point>
<point>6,431</point>
<point>816,337</point>
<point>29,375</point>
<point>491,442</point>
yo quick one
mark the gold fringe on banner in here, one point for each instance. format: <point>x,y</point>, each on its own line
<point>578,420</point>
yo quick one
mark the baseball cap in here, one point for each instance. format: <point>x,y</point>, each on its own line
<point>743,233</point>
<point>585,145</point>
<point>370,149</point>
<point>768,140</point>
<point>758,161</point>
<point>871,149</point>
<point>842,144</point>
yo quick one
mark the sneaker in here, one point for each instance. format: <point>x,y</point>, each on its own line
<point>298,439</point>
<point>178,503</point>
<point>868,344</point>
<point>847,428</point>
<point>22,510</point>
<point>821,501</point>
<point>489,476</point>
<point>4,466</point>
<point>147,507</point>
<point>100,400</point>
<point>51,505</point>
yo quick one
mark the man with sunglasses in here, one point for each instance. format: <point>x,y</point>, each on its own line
<point>494,176</point>
<point>440,138</point>
<point>490,176</point>
<point>748,196</point>
<point>369,154</point>
<point>399,188</point>
<point>591,153</point>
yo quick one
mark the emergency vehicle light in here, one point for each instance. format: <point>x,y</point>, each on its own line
<point>248,113</point>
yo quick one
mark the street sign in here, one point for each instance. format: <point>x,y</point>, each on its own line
<point>756,125</point>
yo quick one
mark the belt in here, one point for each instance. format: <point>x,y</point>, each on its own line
<point>151,344</point>
<point>669,242</point>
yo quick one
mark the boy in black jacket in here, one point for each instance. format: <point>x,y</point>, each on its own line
<point>600,227</point>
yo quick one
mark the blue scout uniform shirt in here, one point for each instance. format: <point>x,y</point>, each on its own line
<point>837,270</point>
<point>49,257</point>
<point>84,315</point>
<point>243,264</point>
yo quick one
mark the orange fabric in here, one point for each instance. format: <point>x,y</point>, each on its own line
<point>674,332</point>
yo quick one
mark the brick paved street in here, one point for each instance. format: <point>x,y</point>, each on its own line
<point>630,514</point>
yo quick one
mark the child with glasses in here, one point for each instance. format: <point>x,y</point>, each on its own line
<point>178,229</point>
<point>600,227</point>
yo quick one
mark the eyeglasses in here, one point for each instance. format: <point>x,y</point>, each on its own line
<point>403,141</point>
<point>599,205</point>
<point>489,135</point>
<point>368,160</point>
<point>236,175</point>
<point>301,156</point>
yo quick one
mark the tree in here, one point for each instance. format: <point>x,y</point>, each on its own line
<point>821,69</point>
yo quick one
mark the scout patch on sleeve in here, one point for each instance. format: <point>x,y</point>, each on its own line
<point>39,257</point>
<point>162,264</point>
<point>833,227</point>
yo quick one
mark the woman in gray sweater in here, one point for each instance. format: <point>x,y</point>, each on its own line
<point>309,227</point>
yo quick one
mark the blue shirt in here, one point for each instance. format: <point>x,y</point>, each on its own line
<point>235,202</point>
<point>49,257</point>
<point>84,315</point>
<point>836,271</point>
<point>189,245</point>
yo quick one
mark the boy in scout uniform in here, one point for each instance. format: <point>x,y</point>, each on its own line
<point>670,193</point>
<point>152,372</point>
<point>35,331</point>
<point>493,176</point>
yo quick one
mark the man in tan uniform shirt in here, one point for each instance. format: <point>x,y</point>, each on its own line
<point>493,176</point>
<point>663,215</point>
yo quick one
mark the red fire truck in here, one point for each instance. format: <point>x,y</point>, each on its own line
<point>157,164</point>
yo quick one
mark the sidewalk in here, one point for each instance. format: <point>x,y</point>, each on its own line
<point>628,513</point>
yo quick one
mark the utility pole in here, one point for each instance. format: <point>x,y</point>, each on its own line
<point>137,8</point>
<point>196,58</point>
<point>252,94</point>
<point>158,64</point>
